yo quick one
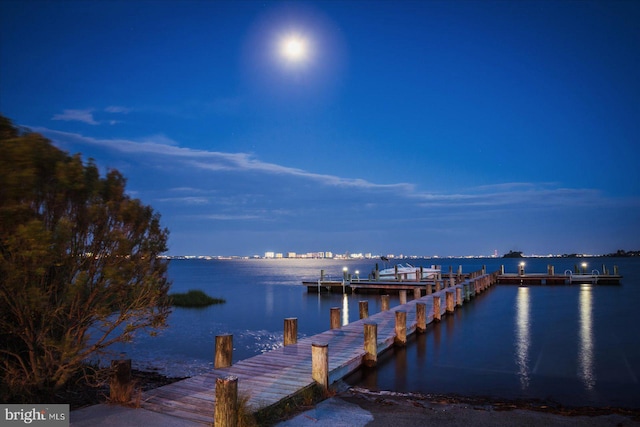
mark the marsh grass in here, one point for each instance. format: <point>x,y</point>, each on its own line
<point>194,298</point>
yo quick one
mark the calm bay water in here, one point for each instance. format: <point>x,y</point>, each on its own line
<point>578,344</point>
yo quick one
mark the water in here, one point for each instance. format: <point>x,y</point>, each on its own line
<point>577,345</point>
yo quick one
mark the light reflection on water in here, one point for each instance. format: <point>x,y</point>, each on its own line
<point>522,336</point>
<point>586,337</point>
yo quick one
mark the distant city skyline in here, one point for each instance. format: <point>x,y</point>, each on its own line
<point>433,127</point>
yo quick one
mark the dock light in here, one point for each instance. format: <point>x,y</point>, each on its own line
<point>344,272</point>
<point>584,267</point>
<point>521,269</point>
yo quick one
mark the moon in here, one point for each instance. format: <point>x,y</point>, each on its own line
<point>294,49</point>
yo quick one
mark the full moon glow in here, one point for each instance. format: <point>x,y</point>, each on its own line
<point>294,48</point>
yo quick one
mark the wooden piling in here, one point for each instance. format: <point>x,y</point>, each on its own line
<point>436,308</point>
<point>384,302</point>
<point>320,364</point>
<point>290,330</point>
<point>550,270</point>
<point>224,351</point>
<point>400,340</point>
<point>458,297</point>
<point>226,407</point>
<point>437,285</point>
<point>370,357</point>
<point>335,317</point>
<point>450,307</point>
<point>364,309</point>
<point>403,296</point>
<point>120,385</point>
<point>428,289</point>
<point>421,317</point>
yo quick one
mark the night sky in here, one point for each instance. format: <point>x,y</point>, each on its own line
<point>413,127</point>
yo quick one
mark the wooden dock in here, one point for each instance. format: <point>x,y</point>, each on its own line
<point>280,374</point>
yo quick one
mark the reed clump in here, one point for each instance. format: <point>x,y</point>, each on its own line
<point>194,298</point>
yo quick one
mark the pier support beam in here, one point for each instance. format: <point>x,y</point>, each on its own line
<point>224,351</point>
<point>370,358</point>
<point>436,308</point>
<point>458,297</point>
<point>450,307</point>
<point>384,302</point>
<point>403,296</point>
<point>290,330</point>
<point>335,317</point>
<point>400,339</point>
<point>320,364</point>
<point>421,317</point>
<point>226,408</point>
<point>429,289</point>
<point>417,293</point>
<point>364,309</point>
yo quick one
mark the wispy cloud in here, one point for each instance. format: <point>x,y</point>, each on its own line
<point>218,161</point>
<point>359,194</point>
<point>117,109</point>
<point>84,116</point>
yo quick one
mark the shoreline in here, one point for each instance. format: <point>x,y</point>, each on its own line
<point>362,407</point>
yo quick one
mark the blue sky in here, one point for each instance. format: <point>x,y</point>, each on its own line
<point>415,127</point>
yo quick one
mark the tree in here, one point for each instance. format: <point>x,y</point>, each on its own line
<point>79,265</point>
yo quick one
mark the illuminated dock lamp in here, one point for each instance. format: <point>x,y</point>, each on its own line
<point>344,273</point>
<point>521,269</point>
<point>357,275</point>
<point>584,268</point>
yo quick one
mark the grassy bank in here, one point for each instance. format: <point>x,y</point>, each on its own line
<point>194,298</point>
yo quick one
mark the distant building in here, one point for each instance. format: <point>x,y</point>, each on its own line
<point>269,255</point>
<point>291,255</point>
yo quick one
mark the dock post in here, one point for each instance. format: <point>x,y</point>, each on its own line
<point>120,382</point>
<point>436,308</point>
<point>484,270</point>
<point>615,270</point>
<point>335,317</point>
<point>417,293</point>
<point>502,269</point>
<point>428,288</point>
<point>364,309</point>
<point>452,281</point>
<point>224,351</point>
<point>320,364</point>
<point>550,270</point>
<point>458,297</point>
<point>403,296</point>
<point>421,317</point>
<point>226,408</point>
<point>290,330</point>
<point>376,273</point>
<point>418,274</point>
<point>385,302</point>
<point>400,339</point>
<point>322,275</point>
<point>437,285</point>
<point>459,273</point>
<point>449,301</point>
<point>370,344</point>
<point>467,295</point>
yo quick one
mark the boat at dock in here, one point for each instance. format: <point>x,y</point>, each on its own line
<point>409,272</point>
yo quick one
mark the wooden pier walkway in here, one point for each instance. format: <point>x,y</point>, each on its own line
<point>272,377</point>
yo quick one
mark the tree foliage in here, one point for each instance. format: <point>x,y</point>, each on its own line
<point>79,266</point>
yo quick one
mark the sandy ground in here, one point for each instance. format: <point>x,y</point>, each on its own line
<point>359,407</point>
